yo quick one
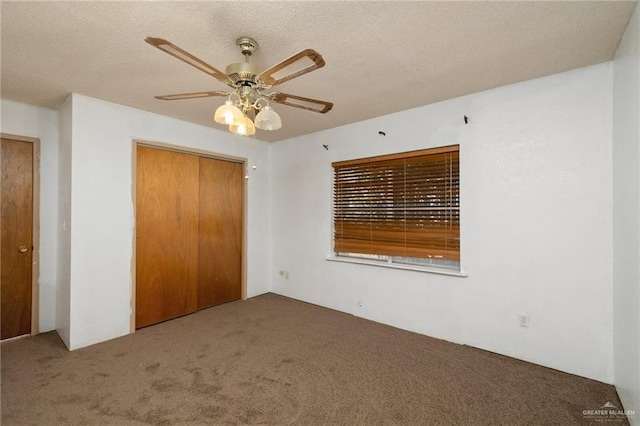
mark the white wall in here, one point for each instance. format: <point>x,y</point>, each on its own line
<point>42,123</point>
<point>103,216</point>
<point>626,217</point>
<point>536,212</point>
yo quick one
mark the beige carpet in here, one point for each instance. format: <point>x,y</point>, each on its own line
<point>276,361</point>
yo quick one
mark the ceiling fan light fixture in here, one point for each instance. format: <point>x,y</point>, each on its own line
<point>228,113</point>
<point>248,84</point>
<point>268,119</point>
<point>243,127</point>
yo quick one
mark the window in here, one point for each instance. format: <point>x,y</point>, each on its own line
<point>402,208</point>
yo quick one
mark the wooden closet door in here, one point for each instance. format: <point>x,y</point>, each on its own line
<point>220,241</point>
<point>17,240</point>
<point>167,235</point>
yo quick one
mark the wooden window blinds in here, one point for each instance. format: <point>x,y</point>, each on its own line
<point>405,205</point>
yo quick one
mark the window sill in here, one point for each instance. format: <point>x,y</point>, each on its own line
<point>397,266</point>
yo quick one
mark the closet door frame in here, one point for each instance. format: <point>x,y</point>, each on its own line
<point>200,153</point>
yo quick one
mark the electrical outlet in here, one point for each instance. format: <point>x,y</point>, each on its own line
<point>359,303</point>
<point>523,319</point>
<point>284,274</point>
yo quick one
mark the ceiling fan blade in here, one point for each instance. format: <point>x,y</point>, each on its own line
<point>297,65</point>
<point>304,103</point>
<point>188,58</point>
<point>190,95</point>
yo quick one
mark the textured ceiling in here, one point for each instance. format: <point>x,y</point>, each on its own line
<point>381,57</point>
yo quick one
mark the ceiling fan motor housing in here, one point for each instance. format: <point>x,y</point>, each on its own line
<point>243,73</point>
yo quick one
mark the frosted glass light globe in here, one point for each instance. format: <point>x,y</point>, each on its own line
<point>243,127</point>
<point>268,119</point>
<point>227,113</point>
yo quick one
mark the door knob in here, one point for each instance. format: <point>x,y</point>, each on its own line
<point>23,249</point>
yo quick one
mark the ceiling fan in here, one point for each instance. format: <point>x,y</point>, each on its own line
<point>249,83</point>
